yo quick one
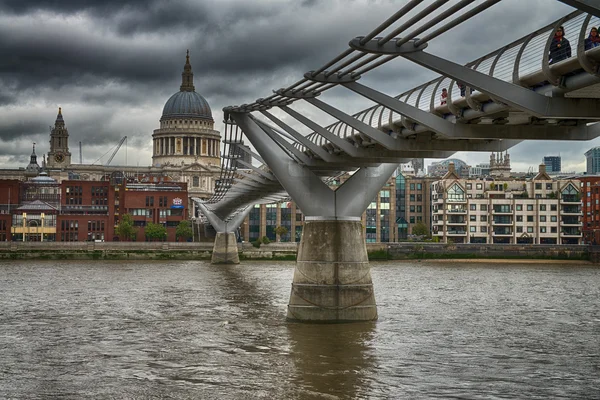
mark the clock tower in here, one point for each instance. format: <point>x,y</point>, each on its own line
<point>59,155</point>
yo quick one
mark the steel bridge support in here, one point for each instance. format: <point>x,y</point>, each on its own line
<point>225,249</point>
<point>332,280</point>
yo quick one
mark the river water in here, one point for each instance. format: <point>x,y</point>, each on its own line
<point>189,330</point>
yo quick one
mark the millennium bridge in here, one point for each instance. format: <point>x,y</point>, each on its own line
<point>525,90</point>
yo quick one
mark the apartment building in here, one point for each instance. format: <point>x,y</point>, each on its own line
<point>537,211</point>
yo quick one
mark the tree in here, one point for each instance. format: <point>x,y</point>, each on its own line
<point>281,231</point>
<point>184,230</point>
<point>125,229</point>
<point>420,229</point>
<point>155,231</point>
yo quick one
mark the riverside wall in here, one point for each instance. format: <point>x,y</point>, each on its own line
<point>287,251</point>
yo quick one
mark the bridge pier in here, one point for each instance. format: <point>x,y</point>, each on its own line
<point>225,250</point>
<point>332,279</point>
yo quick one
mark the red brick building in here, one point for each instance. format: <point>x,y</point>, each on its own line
<point>590,200</point>
<point>43,210</point>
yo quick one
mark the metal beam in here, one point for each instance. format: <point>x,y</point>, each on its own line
<point>589,6</point>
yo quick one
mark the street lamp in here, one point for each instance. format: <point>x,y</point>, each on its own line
<point>24,224</point>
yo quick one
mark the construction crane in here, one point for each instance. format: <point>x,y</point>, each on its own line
<point>117,149</point>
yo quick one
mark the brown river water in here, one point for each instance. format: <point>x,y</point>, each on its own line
<point>189,330</point>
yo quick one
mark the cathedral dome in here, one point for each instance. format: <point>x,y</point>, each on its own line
<point>187,103</point>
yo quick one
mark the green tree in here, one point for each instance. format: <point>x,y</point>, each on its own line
<point>281,231</point>
<point>125,229</point>
<point>420,229</point>
<point>184,230</point>
<point>155,231</point>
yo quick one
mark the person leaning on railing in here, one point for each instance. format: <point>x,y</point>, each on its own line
<point>560,48</point>
<point>593,40</point>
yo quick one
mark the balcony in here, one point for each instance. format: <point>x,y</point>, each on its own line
<point>501,210</point>
<point>502,220</point>
<point>572,210</point>
<point>571,221</point>
<point>456,220</point>
<point>457,211</point>
<point>502,232</point>
<point>456,232</point>
<point>570,232</point>
<point>568,198</point>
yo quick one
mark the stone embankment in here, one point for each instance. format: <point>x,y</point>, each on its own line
<point>287,251</point>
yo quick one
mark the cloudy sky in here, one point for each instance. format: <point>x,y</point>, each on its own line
<point>111,65</point>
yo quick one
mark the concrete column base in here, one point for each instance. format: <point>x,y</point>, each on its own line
<point>332,280</point>
<point>225,250</point>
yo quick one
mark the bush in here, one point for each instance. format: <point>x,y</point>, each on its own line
<point>265,240</point>
<point>256,243</point>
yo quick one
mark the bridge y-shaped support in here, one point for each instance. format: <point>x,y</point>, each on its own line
<point>332,280</point>
<point>225,250</point>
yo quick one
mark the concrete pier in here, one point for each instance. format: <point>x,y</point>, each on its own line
<point>332,279</point>
<point>225,250</point>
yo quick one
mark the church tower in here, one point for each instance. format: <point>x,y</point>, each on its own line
<point>59,155</point>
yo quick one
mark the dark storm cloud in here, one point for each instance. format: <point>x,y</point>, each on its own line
<point>113,64</point>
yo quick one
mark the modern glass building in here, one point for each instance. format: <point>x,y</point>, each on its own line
<point>592,157</point>
<point>552,163</point>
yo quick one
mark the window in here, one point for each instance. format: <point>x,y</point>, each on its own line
<point>519,218</point>
<point>149,201</point>
<point>519,207</point>
<point>469,186</point>
<point>412,197</point>
<point>412,220</point>
<point>484,229</point>
<point>483,207</point>
<point>419,186</point>
<point>479,186</point>
<point>542,229</point>
<point>519,229</point>
<point>542,218</point>
<point>542,207</point>
<point>196,181</point>
<point>473,218</point>
<point>552,207</point>
<point>473,207</point>
<point>538,186</point>
<point>412,186</point>
<point>553,229</point>
<point>472,229</point>
<point>548,186</point>
<point>419,197</point>
<point>553,218</point>
<point>412,209</point>
<point>483,218</point>
<point>529,207</point>
<point>419,209</point>
<point>530,229</point>
<point>456,193</point>
<point>530,218</point>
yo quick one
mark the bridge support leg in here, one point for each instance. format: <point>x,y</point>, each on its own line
<point>332,280</point>
<point>225,250</point>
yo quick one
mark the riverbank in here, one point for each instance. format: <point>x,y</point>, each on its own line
<point>287,251</point>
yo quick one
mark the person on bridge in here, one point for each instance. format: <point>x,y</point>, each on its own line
<point>593,40</point>
<point>444,96</point>
<point>560,48</point>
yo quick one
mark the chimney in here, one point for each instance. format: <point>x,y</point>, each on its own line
<point>451,168</point>
<point>542,168</point>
